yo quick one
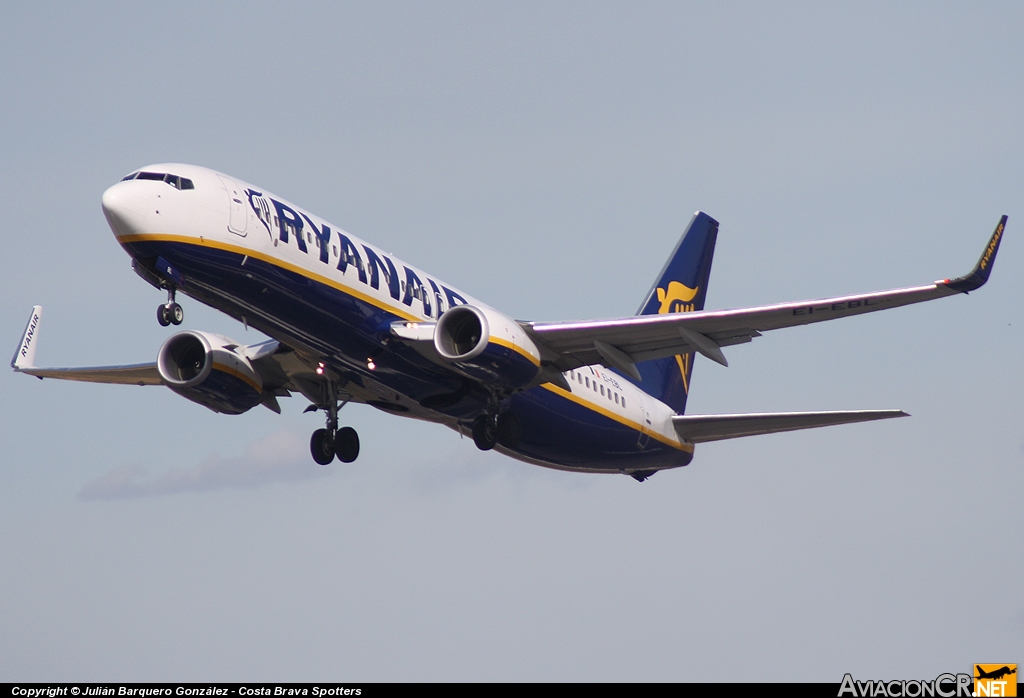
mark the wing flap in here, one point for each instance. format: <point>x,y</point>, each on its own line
<point>699,428</point>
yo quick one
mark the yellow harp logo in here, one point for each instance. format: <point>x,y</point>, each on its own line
<point>678,299</point>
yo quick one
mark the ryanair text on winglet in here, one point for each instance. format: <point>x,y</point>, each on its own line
<point>987,257</point>
<point>943,686</point>
<point>29,334</point>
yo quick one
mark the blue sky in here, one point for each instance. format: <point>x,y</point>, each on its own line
<point>545,158</point>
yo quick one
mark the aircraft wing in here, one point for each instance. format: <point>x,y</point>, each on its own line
<point>281,369</point>
<point>622,342</point>
<point>24,362</point>
<point>135,374</point>
<point>699,428</point>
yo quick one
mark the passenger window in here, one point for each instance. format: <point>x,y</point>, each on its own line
<point>588,381</point>
<point>623,400</point>
<point>334,248</point>
<point>602,390</point>
<point>616,398</point>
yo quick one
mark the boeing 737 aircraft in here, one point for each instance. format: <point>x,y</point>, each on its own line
<point>353,324</point>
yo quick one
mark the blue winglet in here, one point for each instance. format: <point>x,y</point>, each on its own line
<point>978,277</point>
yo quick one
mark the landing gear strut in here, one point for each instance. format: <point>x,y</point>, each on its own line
<point>331,441</point>
<point>170,313</point>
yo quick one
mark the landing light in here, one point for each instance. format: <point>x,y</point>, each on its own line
<point>370,365</point>
<point>320,368</point>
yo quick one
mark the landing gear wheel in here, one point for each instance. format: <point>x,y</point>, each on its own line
<point>163,315</point>
<point>321,445</point>
<point>484,432</point>
<point>346,444</point>
<point>175,314</point>
<point>508,430</point>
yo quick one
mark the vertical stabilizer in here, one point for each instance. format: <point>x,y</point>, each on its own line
<point>681,287</point>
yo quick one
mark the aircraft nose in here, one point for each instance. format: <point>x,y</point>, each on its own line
<point>125,210</point>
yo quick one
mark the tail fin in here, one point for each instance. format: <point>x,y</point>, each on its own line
<point>681,287</point>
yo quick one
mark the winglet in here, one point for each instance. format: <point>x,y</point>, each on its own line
<point>25,356</point>
<point>977,278</point>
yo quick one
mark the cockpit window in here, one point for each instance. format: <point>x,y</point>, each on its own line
<point>174,180</point>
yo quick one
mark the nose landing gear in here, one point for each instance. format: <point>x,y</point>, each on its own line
<point>170,313</point>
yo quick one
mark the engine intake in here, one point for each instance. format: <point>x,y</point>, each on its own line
<point>486,345</point>
<point>462,333</point>
<point>206,369</point>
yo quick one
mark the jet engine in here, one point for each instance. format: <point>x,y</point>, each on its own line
<point>486,345</point>
<point>207,368</point>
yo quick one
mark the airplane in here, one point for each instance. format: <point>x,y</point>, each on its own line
<point>995,674</point>
<point>351,323</point>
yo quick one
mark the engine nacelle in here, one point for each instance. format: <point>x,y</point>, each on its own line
<point>486,345</point>
<point>205,368</point>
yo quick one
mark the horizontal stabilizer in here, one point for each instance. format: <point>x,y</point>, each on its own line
<point>698,428</point>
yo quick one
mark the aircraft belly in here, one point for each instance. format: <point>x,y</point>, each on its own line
<point>562,433</point>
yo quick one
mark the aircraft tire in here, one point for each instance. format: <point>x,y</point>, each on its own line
<point>175,314</point>
<point>346,444</point>
<point>484,432</point>
<point>321,445</point>
<point>163,316</point>
<point>508,430</point>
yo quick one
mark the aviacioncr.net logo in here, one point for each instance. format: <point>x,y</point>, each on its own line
<point>943,686</point>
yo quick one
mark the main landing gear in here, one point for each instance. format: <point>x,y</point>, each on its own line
<point>490,430</point>
<point>343,443</point>
<point>170,313</point>
<point>331,441</point>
